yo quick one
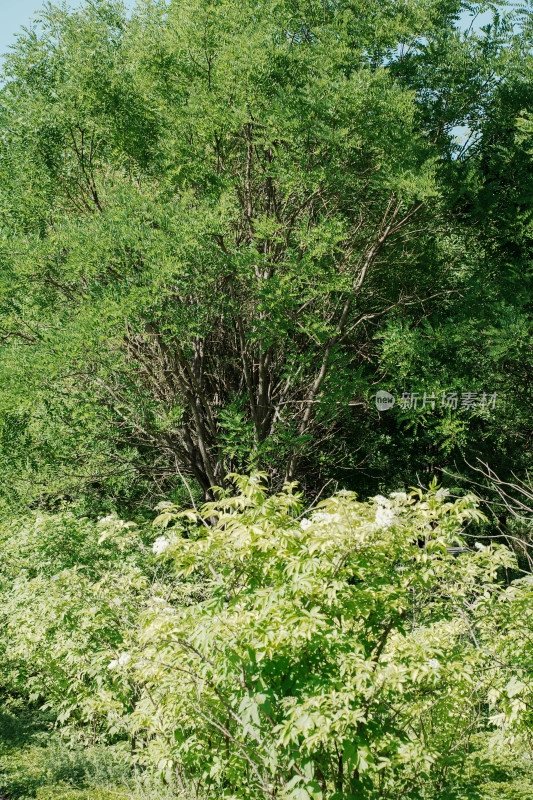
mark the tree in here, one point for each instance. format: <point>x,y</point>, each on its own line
<point>206,215</point>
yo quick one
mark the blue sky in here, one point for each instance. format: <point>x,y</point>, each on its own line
<point>16,13</point>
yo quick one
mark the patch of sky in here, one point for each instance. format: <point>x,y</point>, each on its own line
<point>473,21</point>
<point>17,14</point>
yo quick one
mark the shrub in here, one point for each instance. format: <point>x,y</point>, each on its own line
<point>334,652</point>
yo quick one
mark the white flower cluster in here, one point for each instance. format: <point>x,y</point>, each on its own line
<point>121,661</point>
<point>401,496</point>
<point>320,518</point>
<point>160,545</point>
<point>381,501</point>
<point>384,517</point>
<point>324,516</point>
<point>107,520</point>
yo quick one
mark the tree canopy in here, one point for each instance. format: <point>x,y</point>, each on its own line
<point>223,228</point>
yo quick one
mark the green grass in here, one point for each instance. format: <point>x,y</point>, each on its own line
<point>35,763</point>
<point>489,773</point>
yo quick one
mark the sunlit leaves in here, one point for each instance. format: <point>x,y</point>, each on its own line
<point>324,635</point>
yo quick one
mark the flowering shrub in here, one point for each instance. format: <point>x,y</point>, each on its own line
<point>259,649</point>
<point>329,653</point>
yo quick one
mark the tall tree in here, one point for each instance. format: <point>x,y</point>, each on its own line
<point>208,212</point>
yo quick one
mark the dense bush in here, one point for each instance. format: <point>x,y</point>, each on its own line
<point>255,648</point>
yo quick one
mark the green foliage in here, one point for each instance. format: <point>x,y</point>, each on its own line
<point>63,586</point>
<point>257,647</point>
<point>488,773</point>
<point>218,226</point>
<point>222,230</point>
<point>335,653</point>
<point>35,762</point>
